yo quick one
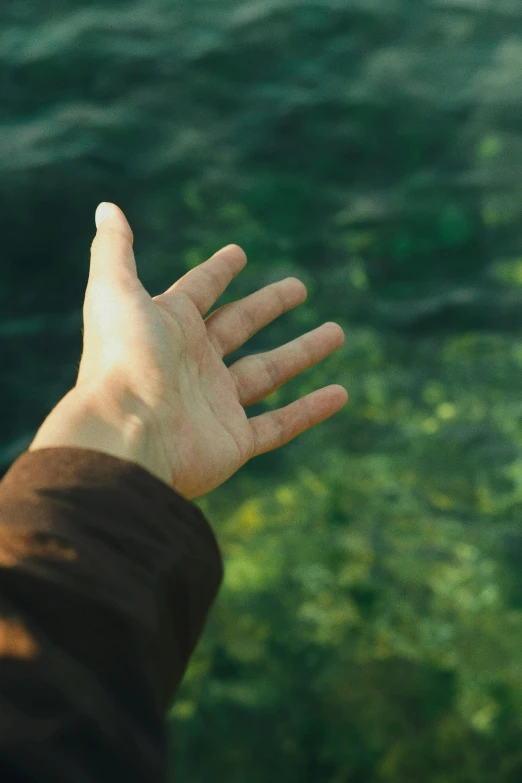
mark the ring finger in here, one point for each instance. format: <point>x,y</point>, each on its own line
<point>258,375</point>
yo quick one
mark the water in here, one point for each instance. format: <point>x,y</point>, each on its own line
<point>371,148</point>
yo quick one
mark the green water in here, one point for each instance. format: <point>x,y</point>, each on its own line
<point>370,626</point>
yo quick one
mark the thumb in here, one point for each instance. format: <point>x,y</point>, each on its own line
<point>112,253</point>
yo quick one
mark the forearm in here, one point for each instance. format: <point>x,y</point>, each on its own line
<point>115,424</point>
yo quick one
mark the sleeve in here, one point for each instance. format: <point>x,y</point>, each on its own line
<point>107,576</point>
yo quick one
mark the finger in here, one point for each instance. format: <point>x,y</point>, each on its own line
<point>275,428</point>
<point>233,324</point>
<point>259,375</point>
<point>205,283</point>
<point>112,254</point>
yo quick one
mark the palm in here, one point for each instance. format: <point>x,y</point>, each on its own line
<point>217,438</point>
<point>204,427</point>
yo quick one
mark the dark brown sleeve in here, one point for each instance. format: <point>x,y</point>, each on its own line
<point>107,576</point>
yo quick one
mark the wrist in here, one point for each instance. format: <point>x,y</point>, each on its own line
<point>115,424</point>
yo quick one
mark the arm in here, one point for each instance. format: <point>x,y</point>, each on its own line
<point>106,578</point>
<point>107,570</point>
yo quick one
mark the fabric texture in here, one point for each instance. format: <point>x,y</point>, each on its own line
<point>107,576</point>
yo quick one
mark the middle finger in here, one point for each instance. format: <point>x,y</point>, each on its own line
<point>232,325</point>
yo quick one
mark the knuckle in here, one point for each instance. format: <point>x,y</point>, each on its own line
<point>284,302</point>
<point>271,374</point>
<point>279,426</point>
<point>247,319</point>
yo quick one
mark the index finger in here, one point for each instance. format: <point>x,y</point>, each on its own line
<point>206,282</point>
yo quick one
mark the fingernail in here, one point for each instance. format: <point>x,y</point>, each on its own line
<point>104,210</point>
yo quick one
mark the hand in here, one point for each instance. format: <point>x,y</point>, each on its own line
<point>167,356</point>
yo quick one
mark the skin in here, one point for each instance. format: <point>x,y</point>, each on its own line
<point>153,367</point>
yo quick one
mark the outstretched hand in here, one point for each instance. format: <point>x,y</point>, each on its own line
<point>163,352</point>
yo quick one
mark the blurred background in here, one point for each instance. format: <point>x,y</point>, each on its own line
<point>370,624</point>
